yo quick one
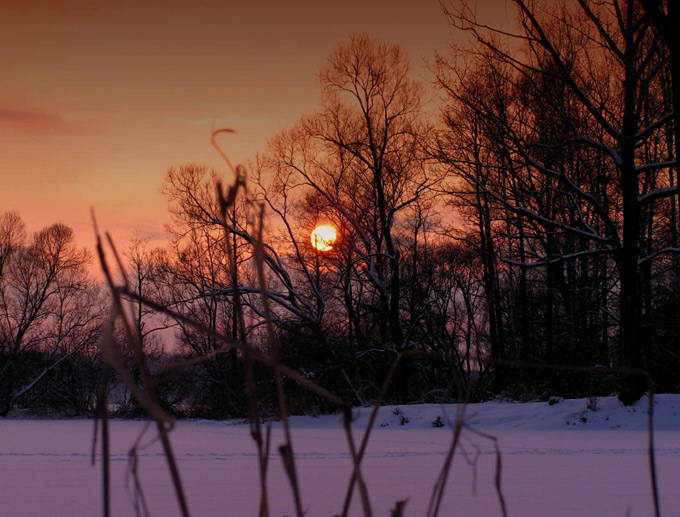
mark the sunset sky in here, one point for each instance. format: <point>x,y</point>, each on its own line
<point>99,98</point>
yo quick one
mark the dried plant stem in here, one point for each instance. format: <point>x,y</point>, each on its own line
<point>264,463</point>
<point>499,468</point>
<point>650,408</point>
<point>356,462</point>
<point>138,498</point>
<point>286,450</point>
<point>101,413</point>
<point>147,396</point>
<point>650,449</point>
<point>256,433</point>
<point>369,427</point>
<point>239,329</point>
<point>440,485</point>
<point>497,479</point>
<point>399,508</point>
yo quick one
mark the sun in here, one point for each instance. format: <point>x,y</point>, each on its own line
<point>323,237</point>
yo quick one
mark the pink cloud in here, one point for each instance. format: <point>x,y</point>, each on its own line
<point>35,121</point>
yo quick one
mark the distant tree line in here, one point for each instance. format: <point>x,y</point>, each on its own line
<point>50,318</point>
<point>534,222</point>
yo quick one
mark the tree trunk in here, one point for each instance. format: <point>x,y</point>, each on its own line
<point>632,386</point>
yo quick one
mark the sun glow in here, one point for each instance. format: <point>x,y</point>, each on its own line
<point>323,237</point>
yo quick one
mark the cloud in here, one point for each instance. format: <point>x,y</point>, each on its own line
<point>35,121</point>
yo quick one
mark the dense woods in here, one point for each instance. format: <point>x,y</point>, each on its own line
<point>534,222</point>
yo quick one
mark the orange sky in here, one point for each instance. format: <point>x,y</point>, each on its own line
<point>99,97</point>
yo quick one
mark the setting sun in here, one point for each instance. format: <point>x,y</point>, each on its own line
<point>323,237</point>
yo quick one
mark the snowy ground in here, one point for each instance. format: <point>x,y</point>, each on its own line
<point>557,460</point>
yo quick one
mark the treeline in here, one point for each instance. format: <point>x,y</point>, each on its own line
<point>534,222</point>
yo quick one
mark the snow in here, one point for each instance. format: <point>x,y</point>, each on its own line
<point>560,459</point>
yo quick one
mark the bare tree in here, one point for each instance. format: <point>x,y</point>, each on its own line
<point>145,269</point>
<point>196,279</point>
<point>46,303</point>
<point>12,236</point>
<point>362,155</point>
<point>665,16</point>
<point>607,63</point>
<point>359,162</point>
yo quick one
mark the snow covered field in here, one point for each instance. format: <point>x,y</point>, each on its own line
<point>558,460</point>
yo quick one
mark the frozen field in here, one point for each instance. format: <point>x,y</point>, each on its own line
<point>594,465</point>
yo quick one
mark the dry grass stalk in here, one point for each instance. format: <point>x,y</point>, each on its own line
<point>457,426</point>
<point>101,412</point>
<point>399,507</point>
<point>286,450</point>
<point>111,350</point>
<point>137,497</point>
<point>440,485</point>
<point>356,474</point>
<point>498,471</point>
<point>262,445</point>
<point>650,407</point>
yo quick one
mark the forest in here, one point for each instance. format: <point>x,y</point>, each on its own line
<point>509,228</point>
